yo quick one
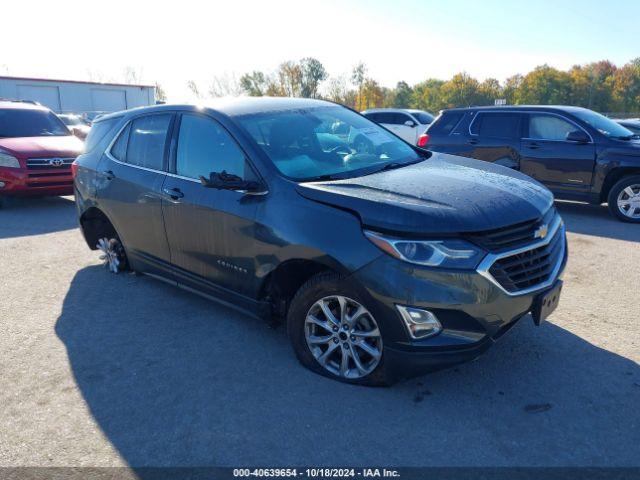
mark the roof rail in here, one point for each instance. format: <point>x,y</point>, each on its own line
<point>20,100</point>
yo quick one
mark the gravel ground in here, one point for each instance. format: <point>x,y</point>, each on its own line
<point>110,370</point>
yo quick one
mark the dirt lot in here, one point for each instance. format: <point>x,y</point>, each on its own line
<point>99,370</point>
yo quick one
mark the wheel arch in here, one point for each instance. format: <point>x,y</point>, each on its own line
<point>613,177</point>
<point>281,284</point>
<point>95,224</point>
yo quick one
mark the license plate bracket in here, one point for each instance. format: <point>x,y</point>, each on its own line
<point>545,303</point>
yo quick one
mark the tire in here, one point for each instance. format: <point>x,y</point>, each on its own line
<point>618,195</point>
<point>113,254</point>
<point>328,287</point>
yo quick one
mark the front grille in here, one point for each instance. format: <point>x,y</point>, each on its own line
<point>513,236</point>
<point>49,163</point>
<point>531,268</point>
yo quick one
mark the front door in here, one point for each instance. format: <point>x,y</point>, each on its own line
<point>564,167</point>
<point>211,232</point>
<point>131,174</point>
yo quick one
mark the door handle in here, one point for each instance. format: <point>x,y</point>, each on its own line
<point>109,175</point>
<point>533,146</point>
<point>174,193</point>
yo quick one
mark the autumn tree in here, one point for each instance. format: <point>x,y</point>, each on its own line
<point>545,85</point>
<point>426,95</point>
<point>460,91</point>
<point>358,75</point>
<point>488,91</point>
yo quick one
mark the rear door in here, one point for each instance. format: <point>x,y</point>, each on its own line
<point>211,232</point>
<point>131,174</point>
<point>563,166</point>
<point>495,137</point>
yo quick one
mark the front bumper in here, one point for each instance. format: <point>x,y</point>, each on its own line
<point>19,181</point>
<point>474,311</point>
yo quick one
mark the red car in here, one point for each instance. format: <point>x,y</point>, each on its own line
<point>36,151</point>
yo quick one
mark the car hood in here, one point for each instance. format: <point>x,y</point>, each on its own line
<point>444,194</point>
<point>33,147</point>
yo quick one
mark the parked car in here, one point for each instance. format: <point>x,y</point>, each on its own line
<point>631,124</point>
<point>385,264</point>
<point>36,151</point>
<point>76,124</point>
<point>408,124</point>
<point>577,153</point>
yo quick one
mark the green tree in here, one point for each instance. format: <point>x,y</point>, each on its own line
<point>254,84</point>
<point>401,96</point>
<point>511,89</point>
<point>427,96</point>
<point>488,92</point>
<point>545,85</point>
<point>313,73</point>
<point>460,91</point>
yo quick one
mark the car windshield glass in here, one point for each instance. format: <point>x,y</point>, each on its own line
<point>604,125</point>
<point>326,142</point>
<point>30,123</point>
<point>423,117</point>
<point>72,120</point>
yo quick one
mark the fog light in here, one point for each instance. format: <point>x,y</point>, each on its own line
<point>420,323</point>
<point>2,184</point>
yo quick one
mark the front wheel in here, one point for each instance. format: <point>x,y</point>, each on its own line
<point>624,199</point>
<point>334,334</point>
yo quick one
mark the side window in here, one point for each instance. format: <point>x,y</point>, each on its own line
<point>445,124</point>
<point>119,149</point>
<point>400,118</point>
<point>373,117</point>
<point>500,125</point>
<point>205,147</point>
<point>386,118</point>
<point>147,138</point>
<point>549,127</point>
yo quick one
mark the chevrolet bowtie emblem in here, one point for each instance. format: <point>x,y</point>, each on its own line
<point>541,231</point>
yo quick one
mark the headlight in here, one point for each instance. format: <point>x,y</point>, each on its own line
<point>448,253</point>
<point>7,160</point>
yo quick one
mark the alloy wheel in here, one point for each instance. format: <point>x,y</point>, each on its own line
<point>629,201</point>
<point>343,337</point>
<point>111,253</point>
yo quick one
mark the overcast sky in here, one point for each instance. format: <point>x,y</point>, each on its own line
<point>173,42</point>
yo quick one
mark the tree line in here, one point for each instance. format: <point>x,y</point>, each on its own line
<point>600,86</point>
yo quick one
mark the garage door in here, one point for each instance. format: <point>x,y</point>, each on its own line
<point>108,100</point>
<point>47,96</point>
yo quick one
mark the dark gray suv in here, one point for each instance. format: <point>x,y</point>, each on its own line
<point>385,264</point>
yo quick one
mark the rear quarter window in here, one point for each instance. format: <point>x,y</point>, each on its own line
<point>445,124</point>
<point>98,131</point>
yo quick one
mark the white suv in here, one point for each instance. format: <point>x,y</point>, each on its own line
<point>408,124</point>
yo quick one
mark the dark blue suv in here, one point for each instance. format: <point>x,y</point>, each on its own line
<point>385,263</point>
<point>577,153</point>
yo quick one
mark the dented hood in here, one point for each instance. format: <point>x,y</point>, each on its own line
<point>444,194</point>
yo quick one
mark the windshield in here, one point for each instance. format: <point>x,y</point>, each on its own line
<point>30,123</point>
<point>423,117</point>
<point>326,142</point>
<point>72,120</point>
<point>604,125</point>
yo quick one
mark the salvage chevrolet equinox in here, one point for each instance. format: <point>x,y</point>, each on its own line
<point>386,263</point>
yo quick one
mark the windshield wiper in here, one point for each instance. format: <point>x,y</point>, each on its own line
<point>394,165</point>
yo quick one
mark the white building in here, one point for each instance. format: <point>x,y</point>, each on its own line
<point>71,96</point>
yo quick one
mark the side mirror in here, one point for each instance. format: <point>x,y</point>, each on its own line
<point>410,123</point>
<point>228,181</point>
<point>577,136</point>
